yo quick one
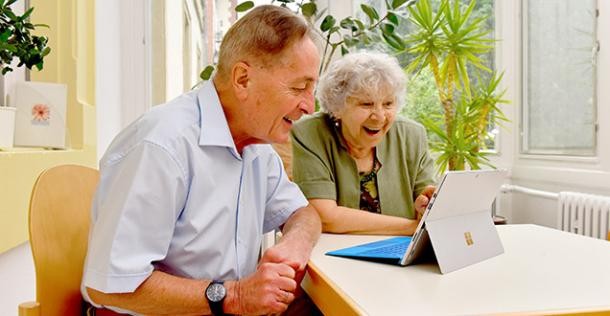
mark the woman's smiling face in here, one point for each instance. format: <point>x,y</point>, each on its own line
<point>366,118</point>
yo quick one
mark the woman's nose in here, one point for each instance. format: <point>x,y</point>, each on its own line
<point>377,112</point>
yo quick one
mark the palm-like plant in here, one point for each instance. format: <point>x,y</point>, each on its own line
<point>449,42</point>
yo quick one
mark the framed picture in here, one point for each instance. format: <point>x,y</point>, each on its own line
<point>40,120</point>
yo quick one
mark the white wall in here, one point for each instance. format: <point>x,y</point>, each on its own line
<point>122,66</point>
<point>108,72</point>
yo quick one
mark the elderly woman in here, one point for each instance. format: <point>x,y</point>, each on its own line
<point>365,170</point>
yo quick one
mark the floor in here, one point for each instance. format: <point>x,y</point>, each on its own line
<point>17,279</point>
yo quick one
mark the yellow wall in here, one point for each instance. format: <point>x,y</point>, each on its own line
<point>72,61</point>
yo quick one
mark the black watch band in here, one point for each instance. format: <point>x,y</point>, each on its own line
<point>215,293</point>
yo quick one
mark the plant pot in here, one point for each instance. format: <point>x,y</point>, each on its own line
<point>7,126</point>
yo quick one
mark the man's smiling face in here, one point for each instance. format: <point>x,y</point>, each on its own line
<point>283,92</point>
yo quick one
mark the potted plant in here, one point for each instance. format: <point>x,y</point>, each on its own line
<point>17,42</point>
<point>449,43</point>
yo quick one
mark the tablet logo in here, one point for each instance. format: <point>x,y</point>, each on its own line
<point>468,237</point>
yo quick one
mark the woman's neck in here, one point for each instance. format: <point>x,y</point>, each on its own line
<point>360,153</point>
<point>364,159</point>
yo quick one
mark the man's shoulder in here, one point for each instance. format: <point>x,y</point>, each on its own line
<point>170,119</point>
<point>166,125</point>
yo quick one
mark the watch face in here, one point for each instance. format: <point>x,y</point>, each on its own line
<point>215,292</point>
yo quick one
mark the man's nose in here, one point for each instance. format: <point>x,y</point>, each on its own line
<point>308,104</point>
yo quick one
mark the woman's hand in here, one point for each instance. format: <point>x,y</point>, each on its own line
<point>422,200</point>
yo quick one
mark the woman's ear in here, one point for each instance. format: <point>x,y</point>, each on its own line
<point>240,78</point>
<point>336,116</point>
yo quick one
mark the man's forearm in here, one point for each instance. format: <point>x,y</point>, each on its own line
<point>303,225</point>
<point>165,294</point>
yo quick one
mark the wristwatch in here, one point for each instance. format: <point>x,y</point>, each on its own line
<point>215,293</point>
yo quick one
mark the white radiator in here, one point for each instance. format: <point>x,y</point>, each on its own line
<point>584,214</point>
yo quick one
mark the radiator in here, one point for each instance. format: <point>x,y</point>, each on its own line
<point>584,214</point>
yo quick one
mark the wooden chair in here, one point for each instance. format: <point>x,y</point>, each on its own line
<point>59,222</point>
<point>285,152</point>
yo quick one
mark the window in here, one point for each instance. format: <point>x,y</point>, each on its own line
<point>559,72</point>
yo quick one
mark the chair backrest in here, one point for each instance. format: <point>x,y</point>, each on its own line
<point>59,231</point>
<point>285,152</point>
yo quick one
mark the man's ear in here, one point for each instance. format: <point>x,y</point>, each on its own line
<point>240,78</point>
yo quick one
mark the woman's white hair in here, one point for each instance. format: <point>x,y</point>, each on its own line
<point>361,73</point>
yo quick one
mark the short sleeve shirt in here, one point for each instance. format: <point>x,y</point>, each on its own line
<point>175,195</point>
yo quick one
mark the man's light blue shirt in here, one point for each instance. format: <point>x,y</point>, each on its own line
<point>175,195</point>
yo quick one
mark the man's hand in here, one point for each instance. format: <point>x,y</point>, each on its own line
<point>422,200</point>
<point>293,253</point>
<point>299,235</point>
<point>268,291</point>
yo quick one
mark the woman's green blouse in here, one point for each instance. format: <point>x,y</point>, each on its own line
<point>323,168</point>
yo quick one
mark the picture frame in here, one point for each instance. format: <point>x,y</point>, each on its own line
<point>40,120</point>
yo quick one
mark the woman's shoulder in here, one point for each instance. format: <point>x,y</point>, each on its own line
<point>319,124</point>
<point>407,126</point>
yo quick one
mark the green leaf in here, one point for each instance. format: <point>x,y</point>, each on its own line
<point>394,41</point>
<point>206,73</point>
<point>26,14</point>
<point>397,3</point>
<point>359,24</point>
<point>309,9</point>
<point>387,28</point>
<point>244,6</point>
<point>328,22</point>
<point>46,51</point>
<point>5,35</point>
<point>347,24</point>
<point>344,50</point>
<point>11,48</point>
<point>392,17</point>
<point>11,16</point>
<point>370,12</point>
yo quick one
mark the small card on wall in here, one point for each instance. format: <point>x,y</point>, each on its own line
<point>40,120</point>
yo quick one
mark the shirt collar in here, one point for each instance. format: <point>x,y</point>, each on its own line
<point>214,126</point>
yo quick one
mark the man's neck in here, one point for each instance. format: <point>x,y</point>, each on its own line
<point>230,107</point>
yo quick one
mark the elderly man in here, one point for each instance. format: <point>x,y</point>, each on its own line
<point>187,190</point>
